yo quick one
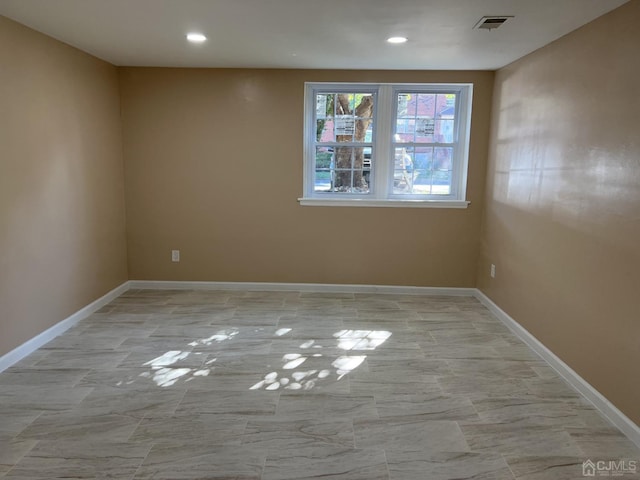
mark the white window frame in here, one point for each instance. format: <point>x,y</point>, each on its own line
<point>382,172</point>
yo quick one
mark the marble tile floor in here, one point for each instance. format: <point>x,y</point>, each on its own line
<point>290,385</point>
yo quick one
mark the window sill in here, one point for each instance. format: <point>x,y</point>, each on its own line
<point>364,202</point>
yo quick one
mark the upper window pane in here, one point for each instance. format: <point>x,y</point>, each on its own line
<point>344,117</point>
<point>425,117</point>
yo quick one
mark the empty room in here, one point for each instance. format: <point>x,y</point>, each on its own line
<point>287,240</point>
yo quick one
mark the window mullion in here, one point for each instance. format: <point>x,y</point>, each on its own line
<point>310,122</point>
<point>456,171</point>
<point>383,167</point>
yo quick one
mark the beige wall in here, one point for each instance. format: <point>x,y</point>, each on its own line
<point>214,168</point>
<point>563,200</point>
<point>62,238</point>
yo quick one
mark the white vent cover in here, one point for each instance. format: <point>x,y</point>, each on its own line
<point>491,22</point>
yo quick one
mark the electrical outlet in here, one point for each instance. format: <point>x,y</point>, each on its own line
<point>175,255</point>
<point>493,271</point>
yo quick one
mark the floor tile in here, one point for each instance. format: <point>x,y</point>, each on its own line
<point>428,407</point>
<point>604,442</point>
<point>408,368</point>
<point>164,358</point>
<point>45,397</point>
<point>233,403</point>
<point>75,426</point>
<point>200,461</point>
<point>190,428</point>
<point>551,388</point>
<point>327,406</point>
<point>12,451</point>
<point>85,341</point>
<point>460,352</point>
<point>528,410</point>
<point>508,439</point>
<point>491,368</point>
<point>337,463</point>
<point>547,468</point>
<point>80,460</point>
<point>291,434</point>
<point>133,402</point>
<point>14,419</point>
<point>419,464</point>
<point>41,377</point>
<point>404,431</point>
<point>93,359</point>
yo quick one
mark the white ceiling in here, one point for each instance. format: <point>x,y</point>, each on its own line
<point>306,33</point>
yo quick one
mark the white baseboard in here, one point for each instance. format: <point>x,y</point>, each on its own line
<point>599,401</point>
<point>30,346</point>
<point>300,287</point>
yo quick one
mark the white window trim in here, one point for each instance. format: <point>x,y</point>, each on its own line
<point>382,185</point>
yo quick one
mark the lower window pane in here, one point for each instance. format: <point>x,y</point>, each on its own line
<point>422,171</point>
<point>343,181</point>
<point>403,171</point>
<point>343,169</point>
<point>322,181</point>
<point>423,163</point>
<point>442,166</point>
<point>324,168</point>
<point>441,182</point>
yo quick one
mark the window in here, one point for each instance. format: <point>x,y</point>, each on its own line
<point>386,144</point>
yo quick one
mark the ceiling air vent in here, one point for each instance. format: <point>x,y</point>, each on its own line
<point>489,23</point>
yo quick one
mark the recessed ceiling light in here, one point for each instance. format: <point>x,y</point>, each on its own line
<point>397,39</point>
<point>194,37</point>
